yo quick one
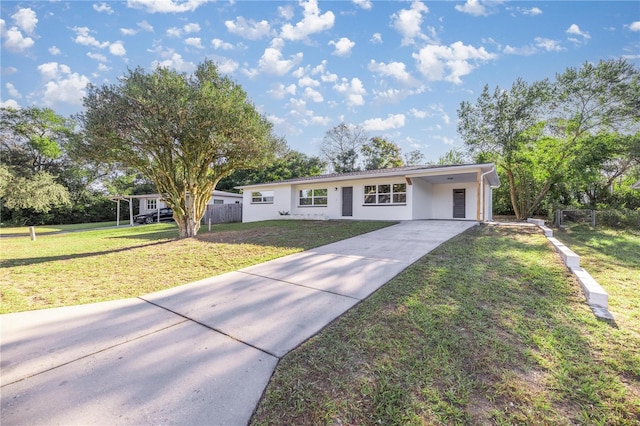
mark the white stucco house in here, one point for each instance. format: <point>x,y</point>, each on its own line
<point>462,192</point>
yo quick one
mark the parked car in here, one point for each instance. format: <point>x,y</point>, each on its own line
<point>165,214</point>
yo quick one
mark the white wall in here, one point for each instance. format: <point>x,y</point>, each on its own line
<point>442,201</point>
<point>422,199</point>
<point>253,212</point>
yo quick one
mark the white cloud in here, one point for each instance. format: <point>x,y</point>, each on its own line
<point>165,6</point>
<point>219,44</point>
<point>117,49</point>
<point>286,12</point>
<point>84,37</point>
<point>449,62</point>
<point>408,22</point>
<point>313,94</point>
<point>534,11</point>
<point>635,26</point>
<point>436,110</point>
<point>145,26</point>
<point>397,70</point>
<point>194,42</point>
<point>62,85</point>
<point>128,31</point>
<point>10,103</point>
<point>249,29</point>
<point>393,121</point>
<point>312,22</point>
<point>103,68</point>
<point>353,91</point>
<point>548,44</point>
<point>14,41</point>
<point>54,50</point>
<point>175,62</point>
<point>13,92</point>
<point>174,32</point>
<point>376,38</point>
<point>419,113</point>
<point>102,7</point>
<point>307,81</point>
<point>97,56</point>
<point>226,65</point>
<point>574,29</point>
<point>522,51</point>
<point>271,61</point>
<point>26,20</point>
<point>191,28</point>
<point>342,47</point>
<point>364,4</point>
<point>279,90</point>
<point>472,7</point>
<point>444,139</point>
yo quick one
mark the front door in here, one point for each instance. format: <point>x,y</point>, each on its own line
<point>458,204</point>
<point>347,201</point>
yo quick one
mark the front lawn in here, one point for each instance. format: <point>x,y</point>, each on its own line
<point>490,328</point>
<point>107,264</point>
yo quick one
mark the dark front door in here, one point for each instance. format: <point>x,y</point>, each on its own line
<point>458,203</point>
<point>347,201</point>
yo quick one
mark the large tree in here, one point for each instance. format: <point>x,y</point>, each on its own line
<point>538,133</point>
<point>184,132</point>
<point>32,144</point>
<point>380,153</point>
<point>341,145</point>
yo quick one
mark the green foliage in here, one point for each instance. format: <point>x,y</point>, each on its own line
<point>453,156</point>
<point>414,158</point>
<point>40,192</point>
<point>380,153</point>
<point>340,147</point>
<point>558,140</point>
<point>291,165</point>
<point>183,132</point>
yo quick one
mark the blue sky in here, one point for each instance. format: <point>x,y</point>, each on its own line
<point>398,68</point>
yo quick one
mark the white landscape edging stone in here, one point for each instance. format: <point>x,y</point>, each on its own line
<point>596,296</point>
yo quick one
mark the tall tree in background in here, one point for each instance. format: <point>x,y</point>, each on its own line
<point>341,145</point>
<point>539,133</point>
<point>414,158</point>
<point>31,147</point>
<point>453,156</point>
<point>184,132</point>
<point>380,153</point>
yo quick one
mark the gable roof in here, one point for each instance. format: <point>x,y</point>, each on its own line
<point>408,171</point>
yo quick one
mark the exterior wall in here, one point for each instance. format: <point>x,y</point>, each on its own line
<point>422,199</point>
<point>254,212</point>
<point>375,212</point>
<point>226,199</point>
<point>442,205</point>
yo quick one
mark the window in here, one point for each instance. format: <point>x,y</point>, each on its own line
<point>385,194</point>
<point>152,204</point>
<point>313,197</point>
<point>262,197</point>
<point>218,201</point>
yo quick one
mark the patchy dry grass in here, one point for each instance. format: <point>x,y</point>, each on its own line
<point>490,328</point>
<point>92,266</point>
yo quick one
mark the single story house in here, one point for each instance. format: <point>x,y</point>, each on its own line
<point>153,202</point>
<point>461,192</point>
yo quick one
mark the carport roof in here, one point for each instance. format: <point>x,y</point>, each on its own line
<point>408,171</point>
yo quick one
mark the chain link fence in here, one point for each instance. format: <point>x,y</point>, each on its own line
<point>618,219</point>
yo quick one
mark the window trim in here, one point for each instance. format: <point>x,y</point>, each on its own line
<point>151,201</point>
<point>378,195</point>
<point>265,197</point>
<point>313,197</point>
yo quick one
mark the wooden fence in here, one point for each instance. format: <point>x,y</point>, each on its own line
<point>223,213</point>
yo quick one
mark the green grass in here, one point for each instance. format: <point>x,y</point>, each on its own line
<point>98,265</point>
<point>490,328</point>
<point>51,229</point>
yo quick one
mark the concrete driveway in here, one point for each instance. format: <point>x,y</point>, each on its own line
<point>201,353</point>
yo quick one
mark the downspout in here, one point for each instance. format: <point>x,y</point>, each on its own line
<point>493,169</point>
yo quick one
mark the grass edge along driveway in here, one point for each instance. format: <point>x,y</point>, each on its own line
<point>107,264</point>
<point>489,328</point>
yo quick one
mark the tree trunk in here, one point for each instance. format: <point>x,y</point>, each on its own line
<point>512,193</point>
<point>188,227</point>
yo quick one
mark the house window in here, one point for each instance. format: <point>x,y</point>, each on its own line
<point>152,204</point>
<point>313,197</point>
<point>395,193</point>
<point>262,197</point>
<point>218,201</point>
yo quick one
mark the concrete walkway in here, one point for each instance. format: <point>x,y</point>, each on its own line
<point>201,353</point>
